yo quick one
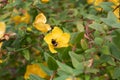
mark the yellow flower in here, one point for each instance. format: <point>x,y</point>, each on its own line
<point>74,78</point>
<point>2,31</point>
<point>19,19</point>
<point>1,61</point>
<point>25,18</point>
<point>57,39</point>
<point>35,69</point>
<point>95,3</point>
<point>16,19</point>
<point>40,23</point>
<point>44,1</point>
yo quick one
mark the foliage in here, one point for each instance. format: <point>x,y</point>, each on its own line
<point>67,39</point>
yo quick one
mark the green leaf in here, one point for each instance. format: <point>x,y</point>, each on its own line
<point>111,20</point>
<point>98,27</point>
<point>35,77</point>
<point>91,70</point>
<point>105,50</point>
<point>63,53</point>
<point>98,41</point>
<point>116,39</point>
<point>75,62</point>
<point>90,50</point>
<point>84,44</point>
<point>116,73</point>
<point>76,37</point>
<point>46,69</point>
<point>107,59</point>
<point>65,68</point>
<point>115,51</point>
<point>26,54</point>
<point>62,77</point>
<point>106,6</point>
<point>80,26</point>
<point>79,70</point>
<point>76,59</point>
<point>51,62</point>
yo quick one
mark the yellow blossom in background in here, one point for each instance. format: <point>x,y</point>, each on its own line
<point>57,39</point>
<point>19,19</point>
<point>95,2</point>
<point>70,78</point>
<point>25,18</point>
<point>2,31</point>
<point>16,19</point>
<point>1,61</point>
<point>34,69</point>
<point>115,2</point>
<point>40,23</point>
<point>44,1</point>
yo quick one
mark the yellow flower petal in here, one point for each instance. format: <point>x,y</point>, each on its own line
<point>48,38</point>
<point>56,32</point>
<point>34,69</point>
<point>44,1</point>
<point>51,48</point>
<point>16,19</point>
<point>1,44</point>
<point>40,18</point>
<point>25,18</point>
<point>63,40</point>
<point>2,29</point>
<point>116,12</point>
<point>95,2</point>
<point>1,61</point>
<point>42,27</point>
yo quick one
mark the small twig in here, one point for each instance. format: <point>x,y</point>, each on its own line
<point>116,7</point>
<point>53,75</point>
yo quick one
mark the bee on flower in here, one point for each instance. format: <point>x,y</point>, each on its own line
<point>40,23</point>
<point>57,39</point>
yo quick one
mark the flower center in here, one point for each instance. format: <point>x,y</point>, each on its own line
<point>54,43</point>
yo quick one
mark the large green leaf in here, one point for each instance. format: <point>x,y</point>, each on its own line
<point>106,6</point>
<point>111,20</point>
<point>35,77</point>
<point>51,62</point>
<point>61,77</point>
<point>115,51</point>
<point>65,68</point>
<point>116,74</point>
<point>98,27</point>
<point>26,54</point>
<point>76,37</point>
<point>76,59</point>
